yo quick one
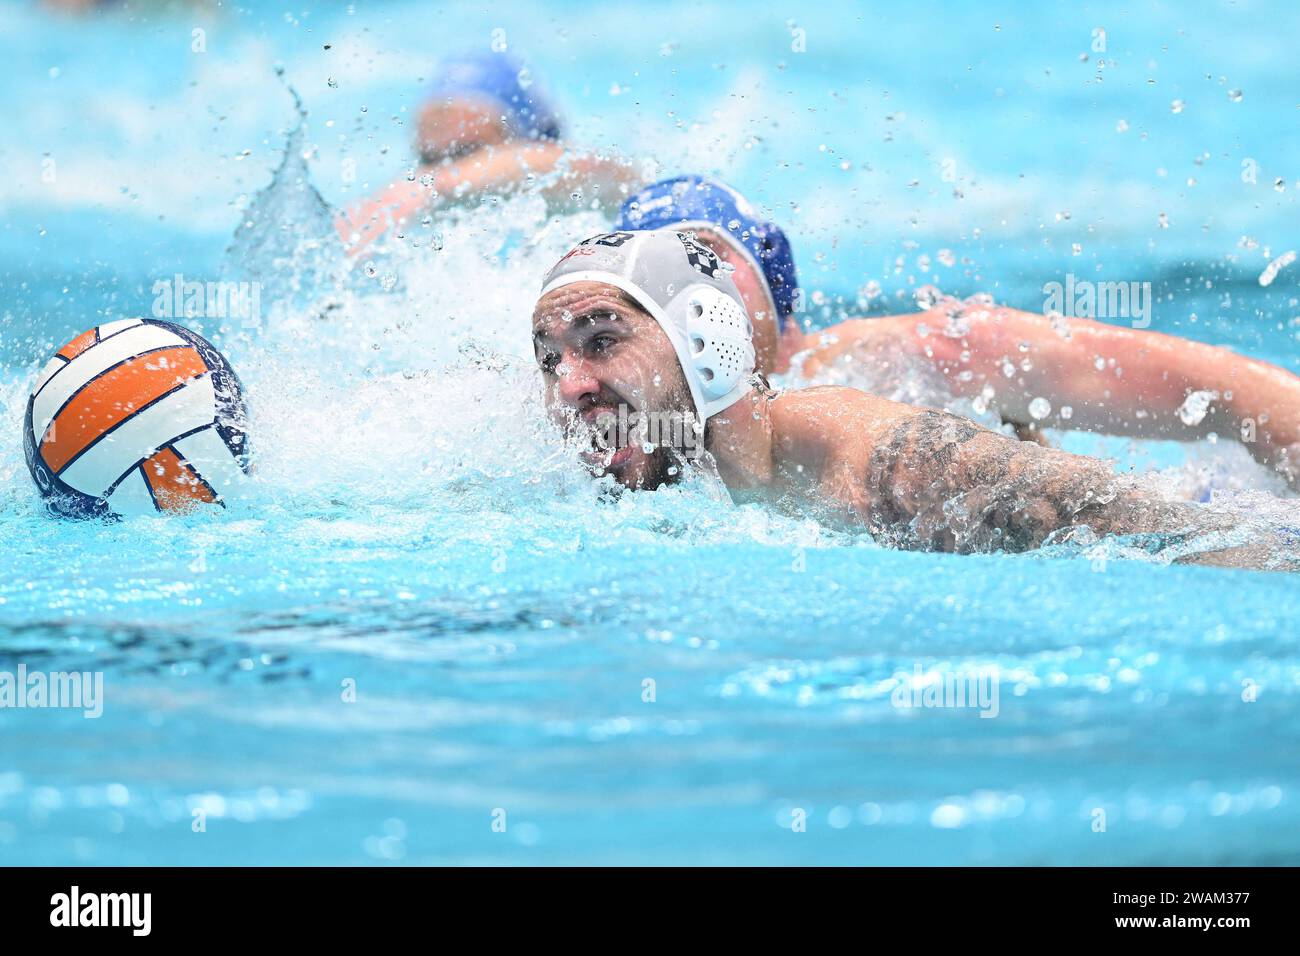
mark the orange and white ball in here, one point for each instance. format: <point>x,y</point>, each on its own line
<point>136,417</point>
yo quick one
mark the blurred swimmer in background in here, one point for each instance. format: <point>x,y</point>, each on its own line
<point>486,126</point>
<point>1091,375</point>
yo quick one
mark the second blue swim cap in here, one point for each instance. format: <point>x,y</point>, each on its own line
<point>496,76</point>
<point>698,202</point>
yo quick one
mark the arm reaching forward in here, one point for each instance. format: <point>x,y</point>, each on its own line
<point>568,181</point>
<point>1092,375</point>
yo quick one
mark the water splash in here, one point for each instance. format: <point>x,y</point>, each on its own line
<point>286,240</point>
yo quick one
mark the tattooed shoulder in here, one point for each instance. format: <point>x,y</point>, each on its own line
<point>928,441</point>
<point>938,481</point>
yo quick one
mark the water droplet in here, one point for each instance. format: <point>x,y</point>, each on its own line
<point>1040,408</point>
<point>1196,406</point>
<point>928,296</point>
<point>1277,265</point>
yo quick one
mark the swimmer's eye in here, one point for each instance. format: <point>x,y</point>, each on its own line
<point>602,343</point>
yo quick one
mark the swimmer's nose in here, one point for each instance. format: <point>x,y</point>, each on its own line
<point>575,382</point>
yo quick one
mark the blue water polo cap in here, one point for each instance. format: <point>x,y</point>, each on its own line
<point>496,76</point>
<point>698,202</point>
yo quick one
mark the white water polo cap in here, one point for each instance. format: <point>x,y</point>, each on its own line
<point>684,287</point>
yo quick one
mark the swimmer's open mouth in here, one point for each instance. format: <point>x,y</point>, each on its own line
<point>604,454</point>
<point>603,461</point>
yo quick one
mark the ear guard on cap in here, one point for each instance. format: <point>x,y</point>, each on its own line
<point>683,286</point>
<point>720,343</point>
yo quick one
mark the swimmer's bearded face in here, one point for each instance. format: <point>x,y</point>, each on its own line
<point>598,349</point>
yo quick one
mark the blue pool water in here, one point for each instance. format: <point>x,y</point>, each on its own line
<point>412,539</point>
